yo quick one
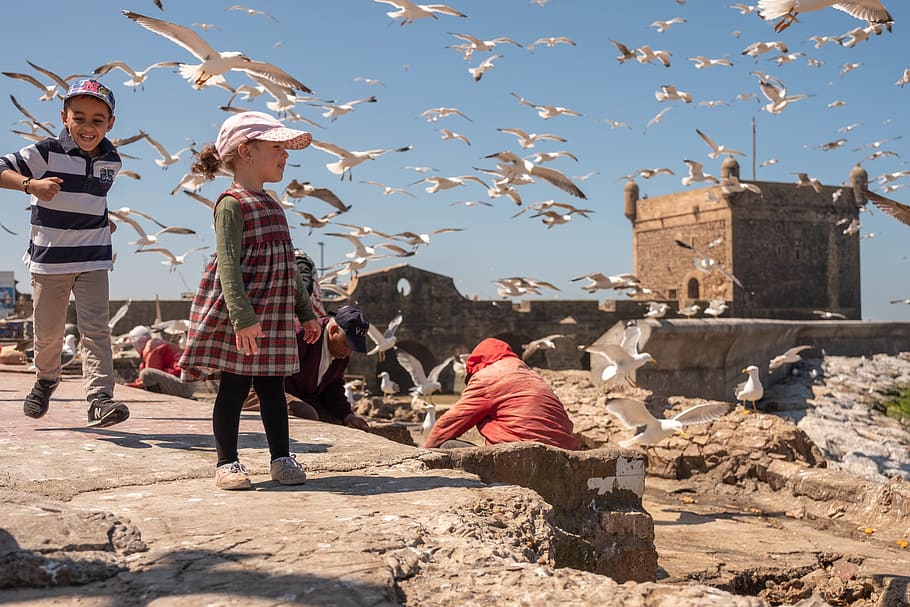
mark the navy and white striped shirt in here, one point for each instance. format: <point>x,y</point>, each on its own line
<point>69,233</point>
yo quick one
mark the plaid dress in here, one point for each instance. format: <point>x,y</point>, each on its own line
<point>269,277</point>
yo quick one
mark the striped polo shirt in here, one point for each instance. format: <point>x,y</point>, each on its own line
<point>69,233</point>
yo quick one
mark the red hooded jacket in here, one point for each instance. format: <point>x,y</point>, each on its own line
<point>507,401</point>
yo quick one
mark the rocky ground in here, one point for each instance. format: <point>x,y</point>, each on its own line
<point>806,504</point>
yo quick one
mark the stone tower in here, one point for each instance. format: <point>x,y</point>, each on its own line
<point>787,246</point>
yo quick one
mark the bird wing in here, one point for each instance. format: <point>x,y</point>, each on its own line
<point>275,74</point>
<point>200,198</point>
<point>393,326</point>
<point>126,218</point>
<point>178,34</point>
<point>630,339</point>
<point>331,148</point>
<point>442,8</point>
<point>435,371</point>
<point>708,140</point>
<point>796,350</point>
<point>702,413</point>
<point>119,314</point>
<point>410,364</point>
<point>161,250</point>
<point>632,413</point>
<point>374,334</point>
<point>900,212</point>
<point>120,65</point>
<point>558,179</point>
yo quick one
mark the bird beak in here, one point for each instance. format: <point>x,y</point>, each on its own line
<point>652,361</point>
<point>683,434</point>
<point>744,371</point>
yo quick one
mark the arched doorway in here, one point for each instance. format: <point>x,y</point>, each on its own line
<point>693,290</point>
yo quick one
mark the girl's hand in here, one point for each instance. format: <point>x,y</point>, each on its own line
<point>246,339</point>
<point>311,331</point>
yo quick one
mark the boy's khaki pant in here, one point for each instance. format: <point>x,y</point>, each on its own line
<point>51,295</point>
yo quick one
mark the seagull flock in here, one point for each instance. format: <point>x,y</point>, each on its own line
<point>479,141</point>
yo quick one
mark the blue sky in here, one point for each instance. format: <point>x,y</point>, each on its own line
<point>327,44</point>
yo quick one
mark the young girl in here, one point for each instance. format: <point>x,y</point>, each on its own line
<point>242,316</point>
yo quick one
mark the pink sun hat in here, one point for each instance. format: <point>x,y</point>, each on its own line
<point>247,126</point>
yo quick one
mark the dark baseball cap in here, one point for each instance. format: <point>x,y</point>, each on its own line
<point>355,325</point>
<point>93,88</point>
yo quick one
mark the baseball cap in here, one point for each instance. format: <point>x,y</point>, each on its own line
<point>247,126</point>
<point>140,332</point>
<point>90,86</point>
<point>355,325</point>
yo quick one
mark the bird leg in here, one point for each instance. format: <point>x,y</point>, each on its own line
<point>786,20</point>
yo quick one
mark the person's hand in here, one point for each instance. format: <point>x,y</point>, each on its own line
<point>246,339</point>
<point>311,331</point>
<point>113,226</point>
<point>46,188</point>
<point>355,421</point>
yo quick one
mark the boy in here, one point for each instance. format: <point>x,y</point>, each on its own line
<point>69,249</point>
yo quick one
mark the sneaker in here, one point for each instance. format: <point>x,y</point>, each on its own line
<point>104,411</point>
<point>232,476</point>
<point>287,471</point>
<point>39,399</point>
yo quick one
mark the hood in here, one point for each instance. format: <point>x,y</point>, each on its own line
<point>486,353</point>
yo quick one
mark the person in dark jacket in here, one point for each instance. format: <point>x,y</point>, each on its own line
<point>317,390</point>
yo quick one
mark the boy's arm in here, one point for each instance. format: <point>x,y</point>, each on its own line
<point>228,238</point>
<point>22,171</point>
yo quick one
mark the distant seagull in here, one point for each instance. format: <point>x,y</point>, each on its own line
<point>712,103</point>
<point>623,359</point>
<point>805,181</point>
<point>172,260</point>
<point>897,301</point>
<point>900,212</point>
<point>750,390</point>
<point>615,124</point>
<point>527,140</point>
<point>333,111</point>
<point>647,55</point>
<point>689,311</point>
<point>586,176</point>
<point>826,315</point>
<point>214,63</point>
<point>597,280</point>
<point>297,189</point>
<point>34,123</point>
<point>546,111</point>
<point>904,79</point>
<point>484,66</point>
<point>776,94</point>
<point>658,117</point>
<point>788,58</point>
<point>388,190</point>
<point>769,162</point>
<point>550,42</point>
<point>447,183</point>
<point>634,415</point>
<point>696,173</point>
<point>250,11</point>
<point>744,9</point>
<point>147,239</point>
<point>447,134</point>
<point>849,67</point>
<point>732,185</point>
<point>760,48</point>
<point>386,385</point>
<point>206,26</point>
<point>790,356</point>
<point>716,150</point>
<point>420,170</point>
<point>435,113</point>
<point>408,11</point>
<point>541,157</point>
<point>663,26</point>
<point>702,62</point>
<point>536,345</point>
<point>348,160</point>
<point>167,159</point>
<point>787,10</point>
<point>625,54</point>
<point>651,173</point>
<point>137,78</point>
<point>369,81</point>
<point>668,92</point>
<point>832,145</point>
<point>656,310</point>
<point>415,239</point>
<point>473,44</point>
<point>716,307</point>
<point>705,263</point>
<point>424,383</point>
<point>384,340</point>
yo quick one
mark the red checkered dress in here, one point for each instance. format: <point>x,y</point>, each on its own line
<point>269,276</point>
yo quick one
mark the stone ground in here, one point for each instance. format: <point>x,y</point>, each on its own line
<point>745,512</point>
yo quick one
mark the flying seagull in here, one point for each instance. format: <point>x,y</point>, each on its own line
<point>634,415</point>
<point>787,10</point>
<point>214,63</point>
<point>408,11</point>
<point>790,356</point>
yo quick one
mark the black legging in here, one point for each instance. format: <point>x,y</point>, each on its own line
<point>273,409</point>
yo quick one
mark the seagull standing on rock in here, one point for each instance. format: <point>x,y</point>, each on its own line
<point>750,390</point>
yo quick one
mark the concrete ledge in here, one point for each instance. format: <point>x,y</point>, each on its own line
<point>705,358</point>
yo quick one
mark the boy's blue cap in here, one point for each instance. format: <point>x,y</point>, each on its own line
<point>90,86</point>
<point>355,325</point>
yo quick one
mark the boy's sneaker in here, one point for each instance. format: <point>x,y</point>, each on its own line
<point>104,412</point>
<point>287,471</point>
<point>232,476</point>
<point>39,399</point>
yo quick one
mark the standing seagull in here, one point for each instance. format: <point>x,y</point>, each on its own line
<point>214,63</point>
<point>750,390</point>
<point>408,11</point>
<point>871,10</point>
<point>633,414</point>
<point>386,385</point>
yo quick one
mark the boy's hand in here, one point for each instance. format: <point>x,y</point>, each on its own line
<point>45,189</point>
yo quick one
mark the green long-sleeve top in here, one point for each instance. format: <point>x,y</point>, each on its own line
<point>229,249</point>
